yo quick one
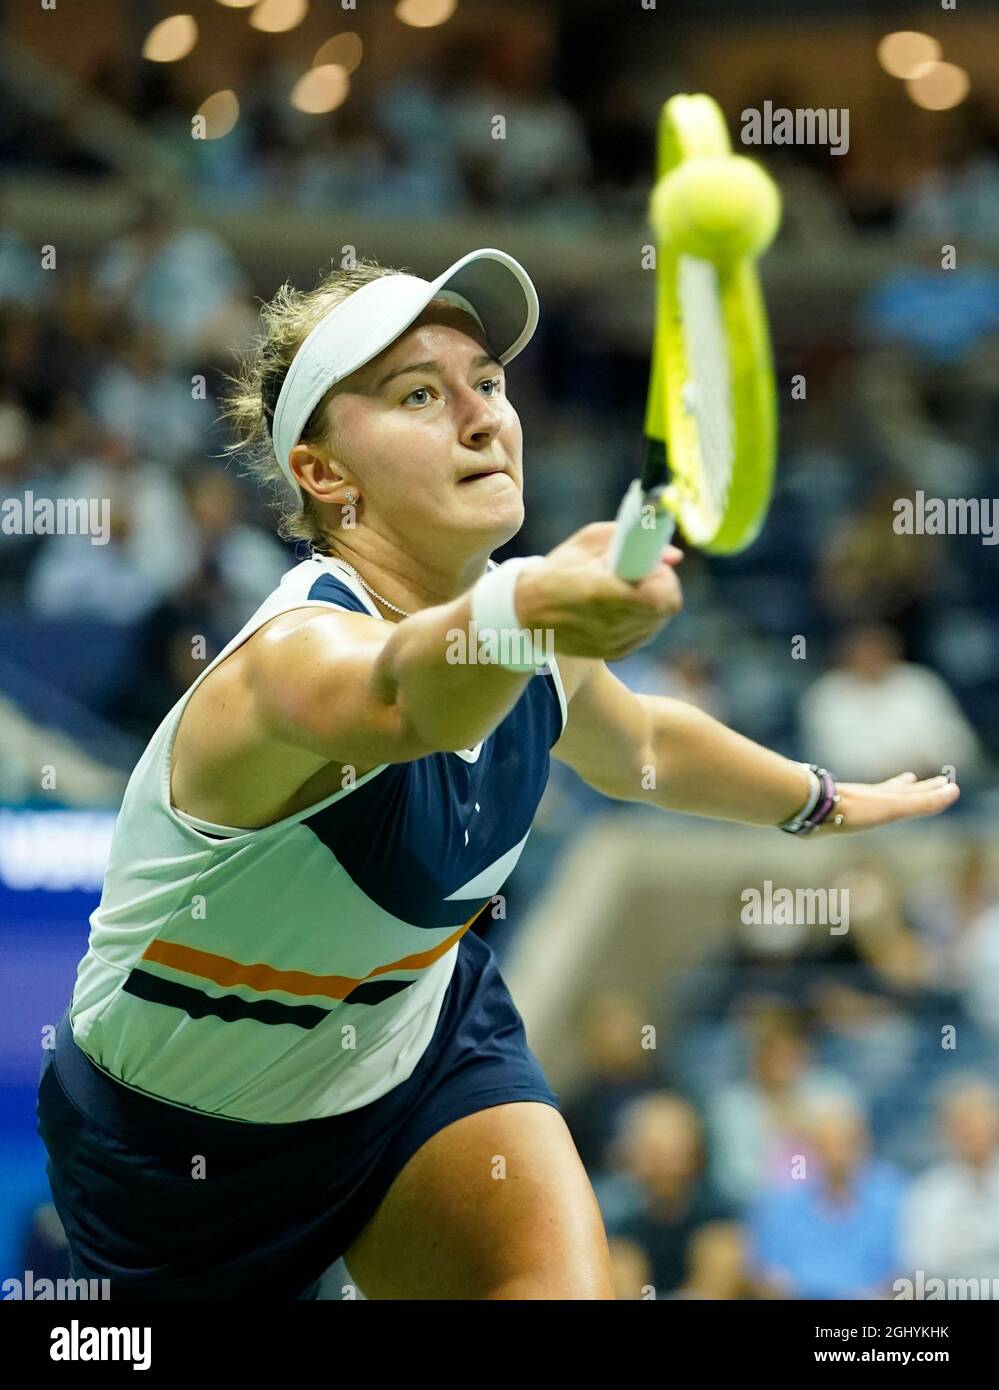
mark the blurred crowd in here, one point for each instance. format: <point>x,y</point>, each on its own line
<point>834,634</point>
<point>822,1119</point>
<point>577,95</point>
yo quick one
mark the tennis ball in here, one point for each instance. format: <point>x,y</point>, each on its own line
<point>718,208</point>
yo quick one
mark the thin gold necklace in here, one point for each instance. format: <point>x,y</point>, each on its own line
<point>373,592</point>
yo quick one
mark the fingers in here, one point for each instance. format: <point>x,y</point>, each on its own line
<point>593,610</point>
<point>927,798</point>
<point>909,782</point>
<point>595,536</point>
<point>932,783</point>
<point>940,795</point>
<point>661,590</point>
<point>904,797</point>
<point>902,777</point>
<point>658,594</point>
<point>928,784</point>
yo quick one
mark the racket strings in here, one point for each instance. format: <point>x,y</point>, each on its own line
<point>707,386</point>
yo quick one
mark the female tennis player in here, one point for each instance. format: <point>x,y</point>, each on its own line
<point>284,1045</point>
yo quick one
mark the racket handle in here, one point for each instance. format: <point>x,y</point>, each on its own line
<point>643,531</point>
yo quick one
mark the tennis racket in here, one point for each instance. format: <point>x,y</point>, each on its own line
<point>711,411</point>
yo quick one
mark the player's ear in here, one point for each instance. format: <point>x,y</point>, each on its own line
<point>319,474</point>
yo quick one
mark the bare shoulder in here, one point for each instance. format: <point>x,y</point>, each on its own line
<point>232,762</point>
<point>281,661</point>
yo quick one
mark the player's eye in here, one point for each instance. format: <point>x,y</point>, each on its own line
<point>495,383</point>
<point>423,391</point>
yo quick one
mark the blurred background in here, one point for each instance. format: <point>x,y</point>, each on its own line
<point>771,1111</point>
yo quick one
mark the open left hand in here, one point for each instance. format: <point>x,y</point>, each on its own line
<point>864,806</point>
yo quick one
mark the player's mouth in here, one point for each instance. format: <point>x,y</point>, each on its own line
<point>484,473</point>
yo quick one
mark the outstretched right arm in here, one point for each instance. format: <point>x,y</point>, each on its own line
<point>353,689</point>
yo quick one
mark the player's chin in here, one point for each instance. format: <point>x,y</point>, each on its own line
<point>491,501</point>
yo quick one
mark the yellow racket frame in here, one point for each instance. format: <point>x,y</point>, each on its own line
<point>693,127</point>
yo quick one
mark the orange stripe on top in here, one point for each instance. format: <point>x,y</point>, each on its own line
<point>223,971</point>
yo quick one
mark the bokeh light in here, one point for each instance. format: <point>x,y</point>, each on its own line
<point>903,53</point>
<point>221,112</point>
<point>939,86</point>
<point>171,39</point>
<point>278,16</point>
<point>321,89</point>
<point>342,51</point>
<point>423,14</point>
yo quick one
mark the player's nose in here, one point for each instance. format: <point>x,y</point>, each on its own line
<point>479,418</point>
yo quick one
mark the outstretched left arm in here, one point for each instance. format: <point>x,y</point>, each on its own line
<point>666,753</point>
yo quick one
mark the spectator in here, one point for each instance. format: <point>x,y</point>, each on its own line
<point>158,411</point>
<point>951,1219</point>
<point>949,915</point>
<point>926,381</point>
<point>619,1071</point>
<point>22,279</point>
<point>233,565</point>
<point>227,567</point>
<point>145,559</point>
<point>183,283</point>
<point>23,469</point>
<point>631,1272</point>
<point>717,1264</point>
<point>958,196</point>
<point>370,165</point>
<point>73,577</point>
<point>833,1232</point>
<point>665,1195</point>
<point>756,1124</point>
<point>78,334</point>
<point>867,572</point>
<point>24,376</point>
<point>980,971</point>
<point>873,715</point>
<point>544,163</point>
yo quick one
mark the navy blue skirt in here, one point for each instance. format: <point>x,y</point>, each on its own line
<point>277,1204</point>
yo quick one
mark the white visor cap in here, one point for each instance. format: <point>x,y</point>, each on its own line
<point>490,285</point>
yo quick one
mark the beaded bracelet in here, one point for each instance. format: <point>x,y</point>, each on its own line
<point>821,803</point>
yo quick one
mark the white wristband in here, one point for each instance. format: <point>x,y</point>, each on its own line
<point>501,640</point>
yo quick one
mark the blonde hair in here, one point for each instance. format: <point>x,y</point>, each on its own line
<point>250,400</point>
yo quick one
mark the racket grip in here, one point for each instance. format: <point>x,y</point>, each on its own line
<point>642,533</point>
